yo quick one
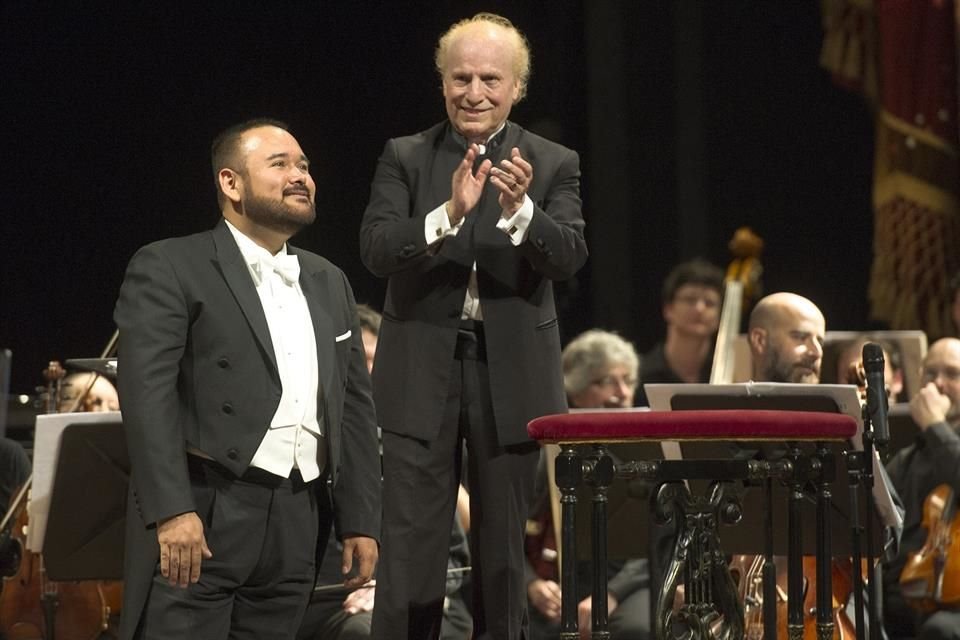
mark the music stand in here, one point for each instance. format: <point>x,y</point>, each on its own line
<point>85,526</point>
<point>880,506</point>
<point>107,367</point>
<point>777,395</point>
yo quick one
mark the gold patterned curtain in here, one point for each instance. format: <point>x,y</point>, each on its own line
<point>902,55</point>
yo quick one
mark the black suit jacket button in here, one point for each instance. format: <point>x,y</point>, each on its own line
<point>408,249</point>
<point>227,408</point>
<point>223,363</point>
<point>232,454</point>
<point>541,243</point>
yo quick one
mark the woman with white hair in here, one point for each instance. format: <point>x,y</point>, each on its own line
<point>599,371</point>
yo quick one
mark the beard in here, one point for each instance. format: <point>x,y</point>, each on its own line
<point>279,215</point>
<point>778,370</point>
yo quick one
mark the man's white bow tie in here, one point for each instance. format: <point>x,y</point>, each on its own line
<point>286,265</point>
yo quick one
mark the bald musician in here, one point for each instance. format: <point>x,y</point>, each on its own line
<point>933,459</point>
<point>786,334</point>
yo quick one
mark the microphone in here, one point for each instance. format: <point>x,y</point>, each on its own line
<point>873,365</point>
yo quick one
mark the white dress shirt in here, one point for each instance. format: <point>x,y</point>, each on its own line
<point>291,440</point>
<point>437,227</point>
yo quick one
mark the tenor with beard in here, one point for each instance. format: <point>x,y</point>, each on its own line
<point>244,389</point>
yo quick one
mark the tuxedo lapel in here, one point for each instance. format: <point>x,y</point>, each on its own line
<point>316,289</point>
<point>444,161</point>
<point>488,208</point>
<point>237,276</point>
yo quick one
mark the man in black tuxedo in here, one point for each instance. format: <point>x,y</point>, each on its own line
<point>471,220</point>
<point>243,384</point>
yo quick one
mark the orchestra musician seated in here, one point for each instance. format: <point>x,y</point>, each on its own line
<point>599,371</point>
<point>786,334</point>
<point>100,395</point>
<point>692,293</point>
<point>916,471</point>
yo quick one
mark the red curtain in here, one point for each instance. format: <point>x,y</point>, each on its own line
<point>902,55</point>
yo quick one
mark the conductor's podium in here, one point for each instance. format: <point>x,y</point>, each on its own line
<point>799,451</point>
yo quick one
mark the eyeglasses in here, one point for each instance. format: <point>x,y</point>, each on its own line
<point>615,381</point>
<point>692,300</point>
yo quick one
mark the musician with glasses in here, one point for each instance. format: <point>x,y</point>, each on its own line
<point>599,372</point>
<point>692,294</point>
<point>933,460</point>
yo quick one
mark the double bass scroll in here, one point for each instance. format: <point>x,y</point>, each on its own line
<point>741,286</point>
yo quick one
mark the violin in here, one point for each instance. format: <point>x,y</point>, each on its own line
<point>930,579</point>
<point>31,605</point>
<point>748,574</point>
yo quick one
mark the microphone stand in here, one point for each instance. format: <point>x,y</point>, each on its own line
<point>876,434</point>
<point>867,481</point>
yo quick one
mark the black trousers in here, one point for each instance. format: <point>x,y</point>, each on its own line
<point>419,499</point>
<point>262,531</point>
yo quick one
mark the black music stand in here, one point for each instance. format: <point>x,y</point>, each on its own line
<point>773,396</point>
<point>743,539</point>
<point>107,367</point>
<point>84,536</point>
<point>842,513</point>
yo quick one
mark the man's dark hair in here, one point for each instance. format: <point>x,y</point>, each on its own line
<point>225,149</point>
<point>696,271</point>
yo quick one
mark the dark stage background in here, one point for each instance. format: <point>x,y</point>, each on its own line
<point>692,118</point>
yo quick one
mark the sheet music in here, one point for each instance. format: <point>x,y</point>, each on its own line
<point>46,451</point>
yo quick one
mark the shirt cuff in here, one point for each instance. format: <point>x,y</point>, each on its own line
<point>516,225</point>
<point>436,225</point>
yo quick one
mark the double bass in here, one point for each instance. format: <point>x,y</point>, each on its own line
<point>31,605</point>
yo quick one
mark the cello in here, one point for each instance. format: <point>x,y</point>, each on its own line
<point>31,605</point>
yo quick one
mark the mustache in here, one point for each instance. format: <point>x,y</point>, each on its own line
<point>297,191</point>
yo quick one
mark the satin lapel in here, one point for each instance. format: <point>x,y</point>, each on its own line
<point>237,275</point>
<point>316,288</point>
<point>486,232</point>
<point>444,160</point>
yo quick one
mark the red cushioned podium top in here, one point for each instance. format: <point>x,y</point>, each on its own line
<point>628,425</point>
